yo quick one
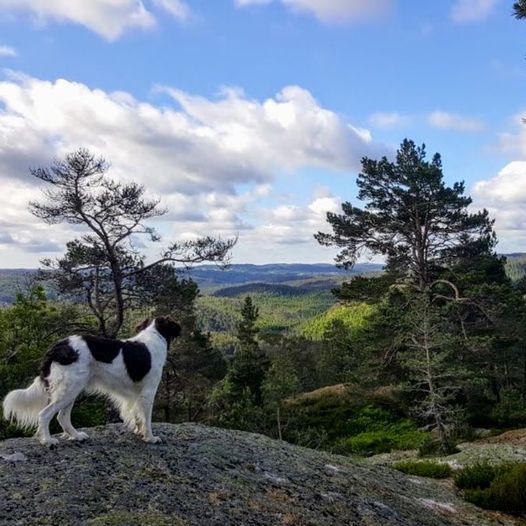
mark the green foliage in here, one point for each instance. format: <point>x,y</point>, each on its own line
<point>354,318</point>
<point>479,475</point>
<point>495,487</point>
<point>434,470</point>
<point>277,314</point>
<point>410,216</point>
<point>510,410</point>
<point>27,329</point>
<point>399,435</point>
<point>351,428</point>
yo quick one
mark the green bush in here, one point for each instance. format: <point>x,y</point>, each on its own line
<point>478,476</point>
<point>399,435</point>
<point>429,469</point>
<point>508,491</point>
<point>500,488</point>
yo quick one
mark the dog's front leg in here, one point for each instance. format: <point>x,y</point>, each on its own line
<point>146,404</point>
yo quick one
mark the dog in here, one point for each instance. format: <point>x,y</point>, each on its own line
<point>128,372</point>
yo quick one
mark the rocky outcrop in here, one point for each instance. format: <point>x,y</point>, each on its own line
<point>207,477</point>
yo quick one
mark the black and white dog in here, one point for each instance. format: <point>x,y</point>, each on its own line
<point>128,372</point>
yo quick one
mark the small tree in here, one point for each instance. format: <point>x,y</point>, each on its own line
<point>430,356</point>
<point>103,265</point>
<point>280,383</point>
<point>250,362</point>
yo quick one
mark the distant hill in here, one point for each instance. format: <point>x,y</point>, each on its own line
<point>293,279</point>
<point>13,280</point>
<point>211,276</point>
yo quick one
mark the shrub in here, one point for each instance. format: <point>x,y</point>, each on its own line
<point>477,476</point>
<point>508,491</point>
<point>400,435</point>
<point>500,488</point>
<point>429,469</point>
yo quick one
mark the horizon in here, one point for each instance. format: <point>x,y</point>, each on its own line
<point>249,118</point>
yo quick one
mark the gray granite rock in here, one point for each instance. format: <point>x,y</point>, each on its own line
<point>214,477</point>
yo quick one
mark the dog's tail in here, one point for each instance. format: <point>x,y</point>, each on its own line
<point>23,405</point>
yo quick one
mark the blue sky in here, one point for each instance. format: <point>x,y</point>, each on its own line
<point>250,117</point>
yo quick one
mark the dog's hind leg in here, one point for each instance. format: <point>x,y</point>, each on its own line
<point>64,389</point>
<point>64,419</point>
<point>44,418</point>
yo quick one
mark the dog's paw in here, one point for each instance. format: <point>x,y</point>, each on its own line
<point>49,442</point>
<point>152,440</point>
<point>80,436</point>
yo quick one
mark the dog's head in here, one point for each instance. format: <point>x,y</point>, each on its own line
<point>168,328</point>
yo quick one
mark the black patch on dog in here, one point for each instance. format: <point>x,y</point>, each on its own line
<point>167,328</point>
<point>103,349</point>
<point>142,325</point>
<point>137,360</point>
<point>61,353</point>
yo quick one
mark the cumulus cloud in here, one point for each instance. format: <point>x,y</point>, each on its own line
<point>472,10</point>
<point>505,198</point>
<point>108,18</point>
<point>210,159</point>
<point>453,121</point>
<point>7,51</point>
<point>331,10</point>
<point>294,225</point>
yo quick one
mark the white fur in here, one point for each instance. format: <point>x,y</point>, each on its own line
<point>23,405</point>
<point>36,405</point>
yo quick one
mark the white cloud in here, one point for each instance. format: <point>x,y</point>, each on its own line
<point>292,224</point>
<point>108,18</point>
<point>392,119</point>
<point>505,198</point>
<point>7,51</point>
<point>289,131</point>
<point>331,10</point>
<point>452,121</point>
<point>472,10</point>
<point>212,160</point>
<point>509,186</point>
<point>176,8</point>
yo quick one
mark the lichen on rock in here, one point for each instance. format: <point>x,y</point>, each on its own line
<point>209,476</point>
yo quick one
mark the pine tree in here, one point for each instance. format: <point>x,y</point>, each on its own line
<point>519,9</point>
<point>411,217</point>
<point>250,362</point>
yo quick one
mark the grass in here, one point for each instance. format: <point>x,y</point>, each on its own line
<point>424,468</point>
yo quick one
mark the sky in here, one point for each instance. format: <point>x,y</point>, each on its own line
<point>249,118</point>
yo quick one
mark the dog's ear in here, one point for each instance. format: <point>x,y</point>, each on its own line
<point>143,325</point>
<point>167,328</point>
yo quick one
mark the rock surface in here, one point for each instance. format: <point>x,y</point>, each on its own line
<point>498,449</point>
<point>213,477</point>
